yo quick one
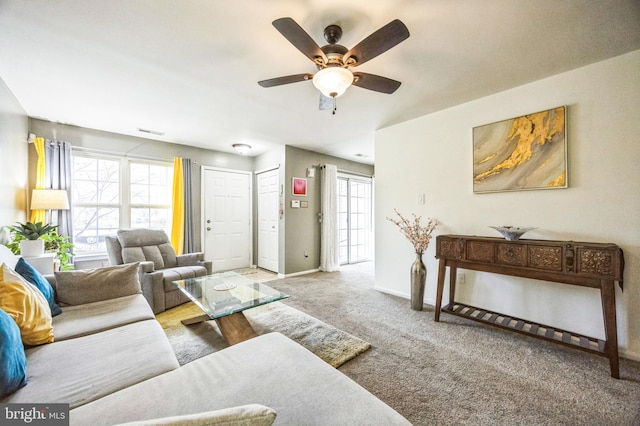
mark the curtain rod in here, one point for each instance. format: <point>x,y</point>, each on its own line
<point>123,154</point>
<point>346,171</point>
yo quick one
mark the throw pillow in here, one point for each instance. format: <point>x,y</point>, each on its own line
<point>13,362</point>
<point>32,275</point>
<point>93,285</point>
<point>244,415</point>
<point>27,306</point>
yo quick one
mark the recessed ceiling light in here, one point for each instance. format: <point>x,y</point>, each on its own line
<point>151,132</point>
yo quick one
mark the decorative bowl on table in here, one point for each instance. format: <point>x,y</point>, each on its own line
<point>512,233</point>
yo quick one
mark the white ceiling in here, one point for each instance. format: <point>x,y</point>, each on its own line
<point>189,68</point>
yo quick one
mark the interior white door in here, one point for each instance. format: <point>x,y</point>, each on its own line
<point>227,218</point>
<point>268,223</point>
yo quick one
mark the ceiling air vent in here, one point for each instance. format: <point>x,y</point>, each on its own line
<point>151,132</point>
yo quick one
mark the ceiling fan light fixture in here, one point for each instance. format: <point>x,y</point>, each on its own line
<point>241,148</point>
<point>333,81</point>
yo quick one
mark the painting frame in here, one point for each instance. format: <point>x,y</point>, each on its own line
<point>522,153</point>
<point>299,187</point>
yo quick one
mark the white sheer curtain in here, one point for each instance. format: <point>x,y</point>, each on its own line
<point>329,255</point>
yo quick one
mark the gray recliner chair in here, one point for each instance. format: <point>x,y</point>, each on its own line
<point>159,264</point>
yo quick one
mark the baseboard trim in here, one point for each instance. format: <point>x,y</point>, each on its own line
<point>633,356</point>
<point>295,274</point>
<point>391,292</point>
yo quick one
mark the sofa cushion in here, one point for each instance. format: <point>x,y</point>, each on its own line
<point>181,273</point>
<point>147,244</point>
<point>13,363</point>
<point>93,285</point>
<point>141,237</point>
<point>7,257</point>
<point>162,255</point>
<point>246,415</point>
<point>77,371</point>
<point>32,275</point>
<point>271,370</point>
<point>95,317</point>
<point>27,306</point>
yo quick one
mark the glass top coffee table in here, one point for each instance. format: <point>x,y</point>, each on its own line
<point>222,297</point>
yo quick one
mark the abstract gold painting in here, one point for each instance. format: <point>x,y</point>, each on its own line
<point>527,152</point>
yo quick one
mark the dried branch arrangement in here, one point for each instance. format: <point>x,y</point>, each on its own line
<point>414,231</point>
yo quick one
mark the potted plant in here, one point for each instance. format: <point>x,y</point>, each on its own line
<point>31,243</point>
<point>60,245</point>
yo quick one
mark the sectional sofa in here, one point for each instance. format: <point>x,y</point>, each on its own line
<point>112,363</point>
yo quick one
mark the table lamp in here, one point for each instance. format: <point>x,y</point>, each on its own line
<point>49,199</point>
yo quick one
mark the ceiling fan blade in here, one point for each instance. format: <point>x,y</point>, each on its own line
<point>375,82</point>
<point>300,39</point>
<point>379,42</point>
<point>279,81</point>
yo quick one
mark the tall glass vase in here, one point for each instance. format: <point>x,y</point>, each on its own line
<point>418,280</point>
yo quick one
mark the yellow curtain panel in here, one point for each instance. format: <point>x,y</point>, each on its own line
<point>177,223</point>
<point>39,215</point>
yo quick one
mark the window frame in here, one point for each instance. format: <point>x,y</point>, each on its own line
<point>347,244</point>
<point>124,204</point>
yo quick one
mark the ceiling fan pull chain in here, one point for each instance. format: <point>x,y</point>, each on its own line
<point>334,106</point>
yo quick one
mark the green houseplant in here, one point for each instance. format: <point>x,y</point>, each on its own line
<point>48,238</point>
<point>31,245</point>
<point>32,231</point>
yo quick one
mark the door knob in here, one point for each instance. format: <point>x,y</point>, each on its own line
<point>208,228</point>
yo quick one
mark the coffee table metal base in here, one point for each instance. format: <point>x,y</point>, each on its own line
<point>234,328</point>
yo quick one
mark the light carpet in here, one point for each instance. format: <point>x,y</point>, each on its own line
<point>459,372</point>
<point>332,345</point>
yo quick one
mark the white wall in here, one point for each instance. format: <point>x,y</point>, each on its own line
<point>602,203</point>
<point>13,158</point>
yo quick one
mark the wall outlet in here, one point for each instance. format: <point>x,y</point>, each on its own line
<point>460,278</point>
<point>306,253</point>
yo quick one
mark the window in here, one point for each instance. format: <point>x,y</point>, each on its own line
<point>111,193</point>
<point>150,196</point>
<point>355,219</point>
<point>96,202</point>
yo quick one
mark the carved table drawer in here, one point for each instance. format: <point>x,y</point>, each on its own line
<point>511,254</point>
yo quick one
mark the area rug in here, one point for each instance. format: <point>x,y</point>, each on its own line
<point>332,345</point>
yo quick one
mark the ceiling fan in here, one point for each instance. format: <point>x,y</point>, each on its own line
<point>334,61</point>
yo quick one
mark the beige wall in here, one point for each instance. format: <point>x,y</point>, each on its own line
<point>13,158</point>
<point>302,229</point>
<point>299,227</point>
<point>602,203</point>
<point>134,147</point>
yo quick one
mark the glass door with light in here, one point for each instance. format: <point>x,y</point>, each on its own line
<point>355,218</point>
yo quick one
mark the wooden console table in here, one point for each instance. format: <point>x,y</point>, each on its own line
<point>592,265</point>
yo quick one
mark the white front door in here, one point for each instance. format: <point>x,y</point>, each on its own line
<point>267,183</point>
<point>226,214</point>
